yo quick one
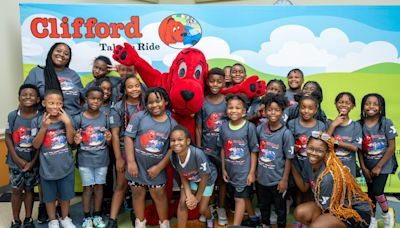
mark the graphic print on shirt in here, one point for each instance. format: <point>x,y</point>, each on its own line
<point>233,150</point>
<point>374,145</point>
<point>301,146</point>
<point>192,176</point>
<point>152,142</point>
<point>22,137</point>
<point>93,136</point>
<point>67,86</point>
<point>214,122</point>
<point>55,139</point>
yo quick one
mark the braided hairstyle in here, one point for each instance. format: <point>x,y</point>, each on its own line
<point>382,108</point>
<point>140,105</point>
<point>344,187</point>
<point>279,82</point>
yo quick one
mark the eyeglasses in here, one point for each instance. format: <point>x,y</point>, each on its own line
<point>320,135</point>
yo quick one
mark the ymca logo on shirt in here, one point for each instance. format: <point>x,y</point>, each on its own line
<point>233,150</point>
<point>214,122</point>
<point>55,139</point>
<point>22,137</point>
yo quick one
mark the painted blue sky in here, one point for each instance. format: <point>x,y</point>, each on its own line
<point>272,39</point>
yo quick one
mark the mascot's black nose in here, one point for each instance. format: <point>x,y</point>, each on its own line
<point>187,95</point>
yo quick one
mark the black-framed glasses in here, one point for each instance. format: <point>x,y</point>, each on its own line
<point>321,135</point>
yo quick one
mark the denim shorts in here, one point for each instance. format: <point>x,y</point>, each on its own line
<point>63,189</point>
<point>208,191</point>
<point>27,180</point>
<point>92,176</point>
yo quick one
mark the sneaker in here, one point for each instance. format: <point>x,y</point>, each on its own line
<point>54,224</point>
<point>273,218</point>
<point>257,212</point>
<point>16,224</point>
<point>210,223</point>
<point>251,222</point>
<point>140,224</point>
<point>388,218</point>
<point>28,223</point>
<point>222,218</point>
<point>132,216</point>
<point>202,218</point>
<point>42,214</point>
<point>164,224</point>
<point>67,223</point>
<point>87,222</point>
<point>98,222</point>
<point>112,223</point>
<point>373,223</point>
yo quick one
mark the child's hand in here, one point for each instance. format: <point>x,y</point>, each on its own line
<point>133,169</point>
<point>64,117</point>
<point>191,202</point>
<point>251,178</point>
<point>339,120</point>
<point>153,171</point>
<point>376,171</point>
<point>78,137</point>
<point>28,166</point>
<point>120,165</point>
<point>282,186</point>
<point>112,67</point>
<point>20,163</point>
<point>225,176</point>
<point>107,136</point>
<point>367,175</point>
<point>46,121</point>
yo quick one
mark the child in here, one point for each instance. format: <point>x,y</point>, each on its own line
<point>121,114</point>
<point>107,87</point>
<point>274,160</point>
<point>378,148</point>
<point>238,74</point>
<point>338,200</point>
<point>227,74</point>
<point>208,125</point>
<point>239,145</point>
<point>22,157</point>
<point>295,79</point>
<point>347,133</point>
<point>146,144</point>
<point>53,134</point>
<point>92,137</point>
<point>197,175</point>
<point>123,71</point>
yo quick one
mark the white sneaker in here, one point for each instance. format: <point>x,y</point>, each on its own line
<point>54,224</point>
<point>140,224</point>
<point>87,223</point>
<point>373,223</point>
<point>164,224</point>
<point>98,222</point>
<point>202,218</point>
<point>257,212</point>
<point>388,218</point>
<point>67,223</point>
<point>222,218</point>
<point>273,218</point>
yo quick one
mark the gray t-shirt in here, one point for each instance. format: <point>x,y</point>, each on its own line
<point>326,187</point>
<point>195,166</point>
<point>352,134</point>
<point>93,150</point>
<point>121,114</point>
<point>20,130</point>
<point>377,139</point>
<point>55,154</point>
<point>115,81</point>
<point>211,117</point>
<point>70,83</point>
<point>275,148</point>
<point>151,139</point>
<point>290,96</point>
<point>301,135</point>
<point>238,144</point>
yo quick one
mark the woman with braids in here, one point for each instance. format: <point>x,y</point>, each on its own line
<point>57,75</point>
<point>339,201</point>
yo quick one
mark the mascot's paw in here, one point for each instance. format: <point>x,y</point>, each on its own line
<point>125,55</point>
<point>253,87</point>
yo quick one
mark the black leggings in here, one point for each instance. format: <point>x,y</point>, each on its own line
<point>267,195</point>
<point>377,187</point>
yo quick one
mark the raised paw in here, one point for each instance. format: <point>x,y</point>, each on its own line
<point>253,87</point>
<point>125,55</point>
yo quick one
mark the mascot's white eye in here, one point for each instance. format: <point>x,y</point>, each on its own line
<point>174,29</point>
<point>182,70</point>
<point>197,72</point>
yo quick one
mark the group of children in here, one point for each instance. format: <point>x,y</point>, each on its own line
<point>276,142</point>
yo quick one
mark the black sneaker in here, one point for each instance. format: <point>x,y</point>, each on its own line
<point>251,222</point>
<point>42,215</point>
<point>112,223</point>
<point>28,223</point>
<point>16,224</point>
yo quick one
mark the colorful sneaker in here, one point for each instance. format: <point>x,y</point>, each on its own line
<point>373,223</point>
<point>67,223</point>
<point>202,218</point>
<point>164,224</point>
<point>297,225</point>
<point>87,222</point>
<point>388,218</point>
<point>112,223</point>
<point>210,223</point>
<point>140,224</point>
<point>16,224</point>
<point>222,218</point>
<point>42,214</point>
<point>28,223</point>
<point>98,222</point>
<point>54,224</point>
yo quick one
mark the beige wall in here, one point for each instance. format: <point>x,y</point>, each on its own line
<point>10,42</point>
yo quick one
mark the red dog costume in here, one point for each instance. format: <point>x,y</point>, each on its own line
<point>171,31</point>
<point>185,84</point>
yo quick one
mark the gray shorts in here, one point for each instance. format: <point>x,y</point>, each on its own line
<point>20,179</point>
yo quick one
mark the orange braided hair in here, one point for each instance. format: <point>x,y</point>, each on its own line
<point>344,185</point>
